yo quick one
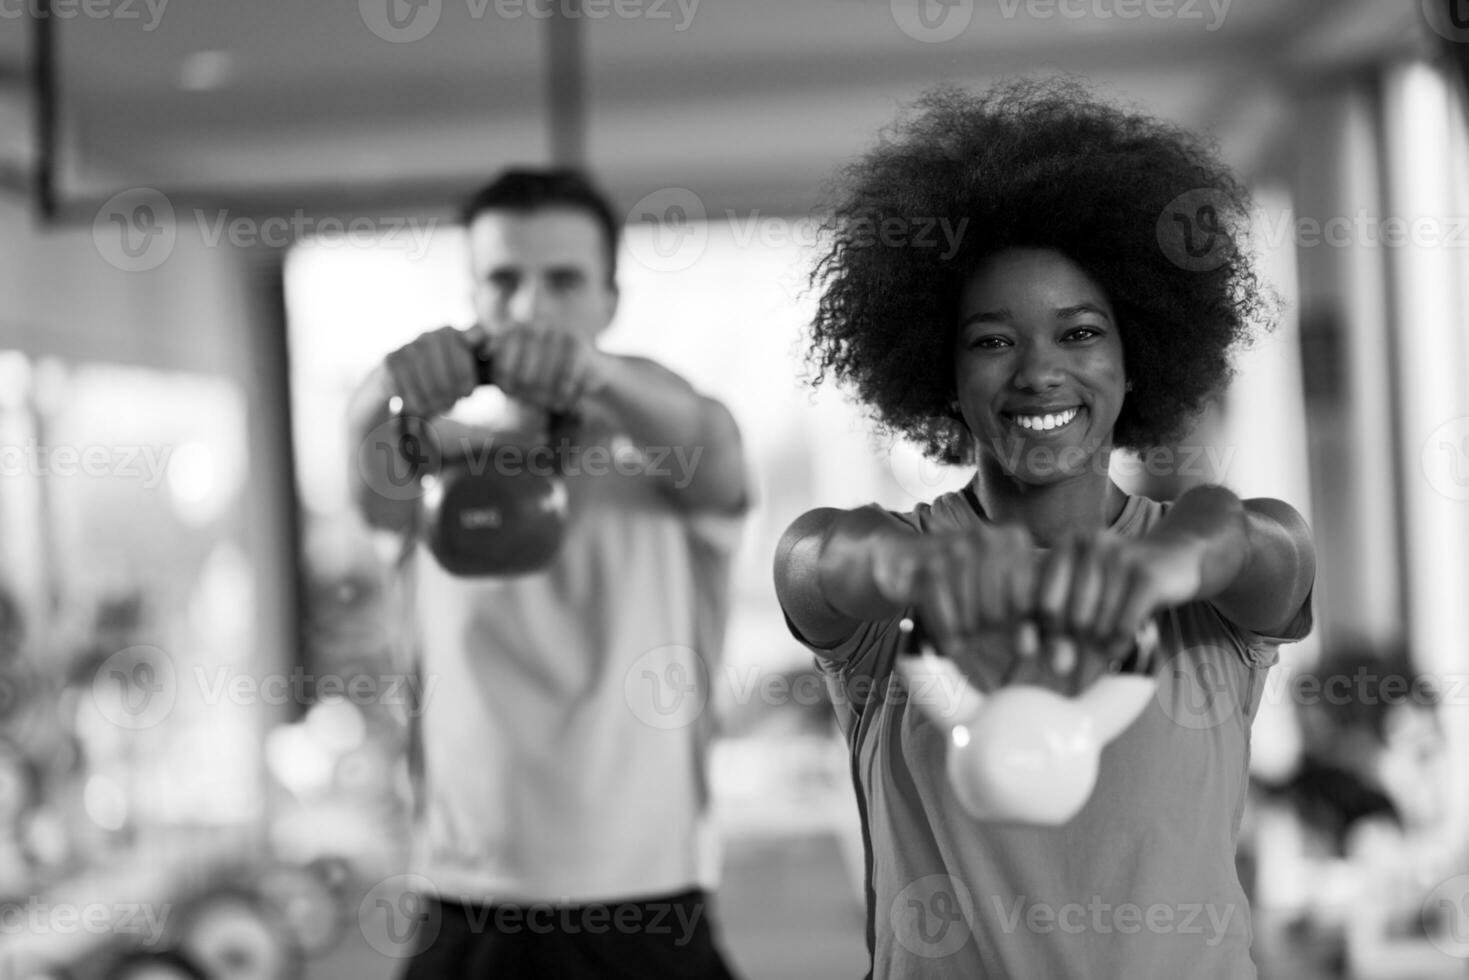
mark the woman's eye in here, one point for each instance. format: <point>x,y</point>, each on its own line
<point>1084,333</point>
<point>988,343</point>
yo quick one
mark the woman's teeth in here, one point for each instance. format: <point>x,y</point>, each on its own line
<point>1042,423</point>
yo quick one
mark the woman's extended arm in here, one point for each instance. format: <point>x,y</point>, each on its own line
<point>1252,559</point>
<point>835,569</point>
<point>1256,562</point>
<point>824,571</point>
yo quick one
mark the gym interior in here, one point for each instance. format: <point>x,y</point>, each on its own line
<point>215,219</point>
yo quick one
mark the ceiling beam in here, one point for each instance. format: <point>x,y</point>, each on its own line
<point>565,85</point>
<point>43,88</point>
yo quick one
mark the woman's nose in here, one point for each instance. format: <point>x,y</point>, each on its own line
<point>1040,367</point>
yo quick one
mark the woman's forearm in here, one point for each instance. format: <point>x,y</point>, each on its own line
<point>850,578</point>
<point>824,571</point>
<point>1254,558</point>
<point>1212,523</point>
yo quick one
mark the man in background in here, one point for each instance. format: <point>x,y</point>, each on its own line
<point>563,816</point>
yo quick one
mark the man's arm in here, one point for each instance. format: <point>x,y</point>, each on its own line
<point>694,447</point>
<point>376,466</point>
<point>379,477</point>
<point>429,374</point>
<point>693,444</point>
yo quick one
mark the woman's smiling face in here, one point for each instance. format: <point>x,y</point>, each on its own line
<point>1038,366</point>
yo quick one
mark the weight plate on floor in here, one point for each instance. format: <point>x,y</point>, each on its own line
<point>308,905</point>
<point>236,935</point>
<point>167,965</point>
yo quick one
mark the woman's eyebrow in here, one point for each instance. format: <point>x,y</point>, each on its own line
<point>1072,312</point>
<point>1001,315</point>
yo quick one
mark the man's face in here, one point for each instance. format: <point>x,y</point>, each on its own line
<point>542,269</point>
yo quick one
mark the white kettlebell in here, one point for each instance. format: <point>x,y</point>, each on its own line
<point>1024,753</point>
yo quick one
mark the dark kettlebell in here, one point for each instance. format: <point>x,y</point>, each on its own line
<point>499,512</point>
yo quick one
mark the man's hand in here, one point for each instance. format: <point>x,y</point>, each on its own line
<point>549,368</point>
<point>435,370</point>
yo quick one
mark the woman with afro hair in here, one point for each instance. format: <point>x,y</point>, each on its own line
<point>1100,282</point>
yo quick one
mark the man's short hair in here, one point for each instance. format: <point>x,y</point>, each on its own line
<point>526,190</point>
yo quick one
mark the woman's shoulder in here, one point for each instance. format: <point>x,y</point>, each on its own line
<point>946,512</point>
<point>959,509</point>
<point>1140,514</point>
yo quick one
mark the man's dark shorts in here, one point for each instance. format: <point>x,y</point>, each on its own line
<point>668,938</point>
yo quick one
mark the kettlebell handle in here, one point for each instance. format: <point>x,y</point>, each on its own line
<point>484,365</point>
<point>1142,659</point>
<point>559,424</point>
